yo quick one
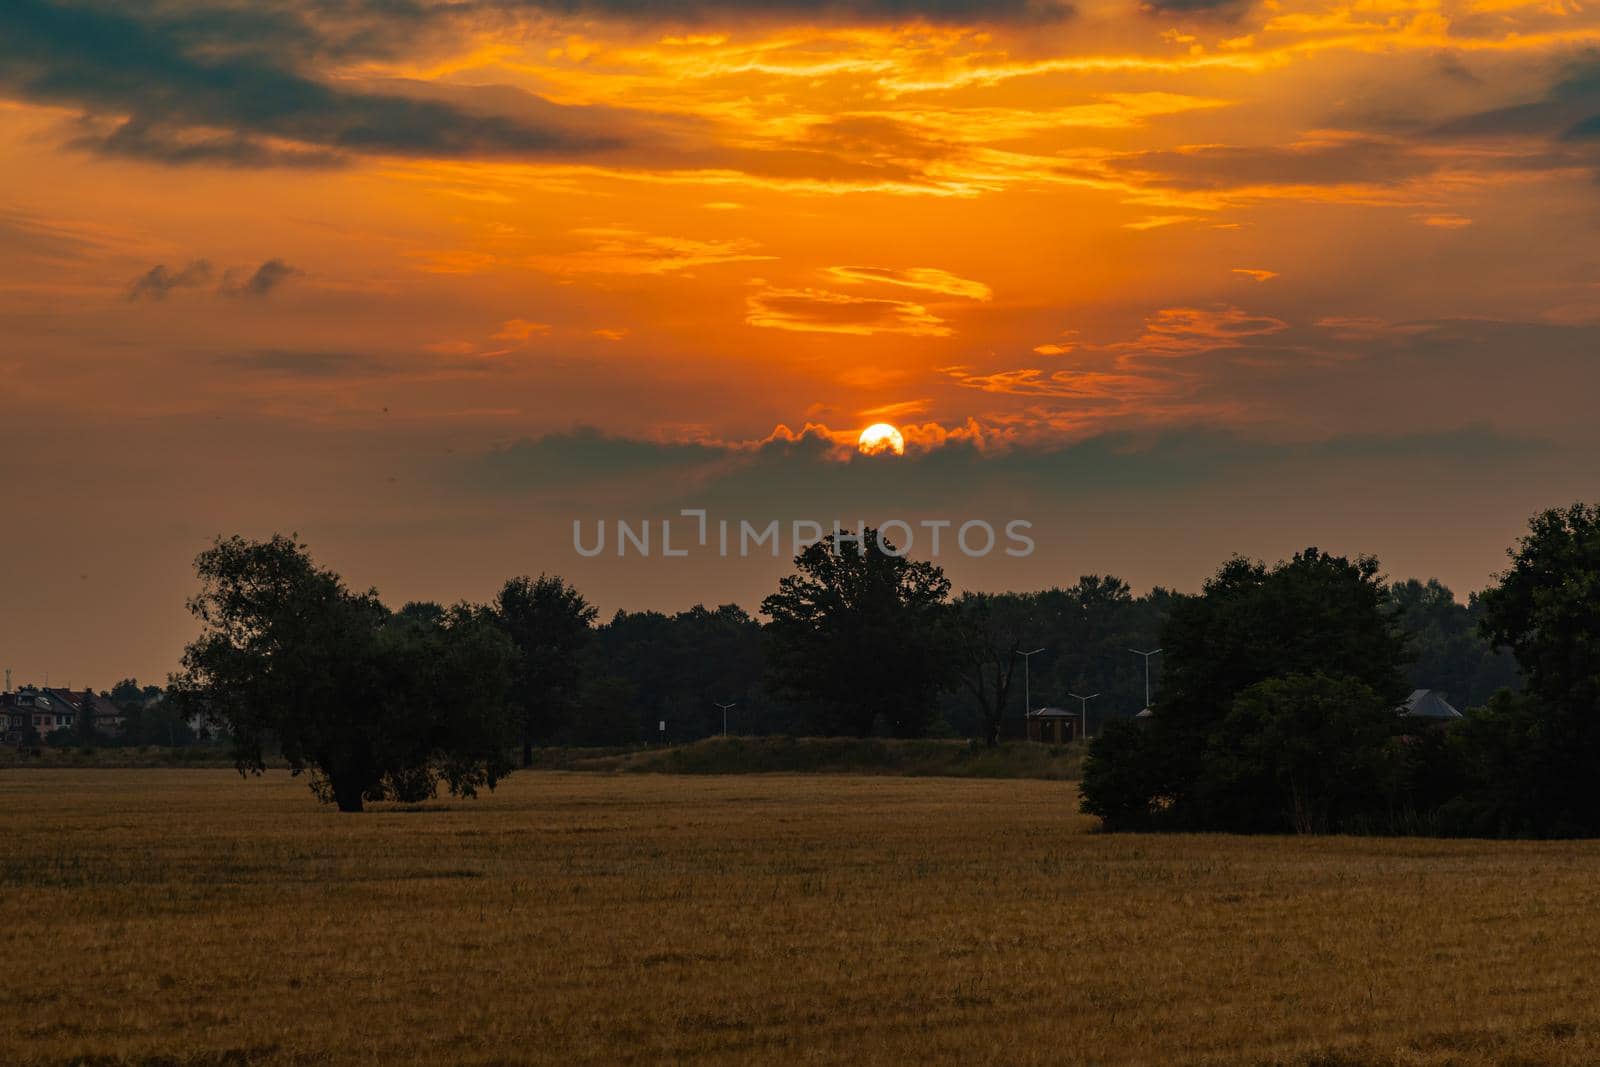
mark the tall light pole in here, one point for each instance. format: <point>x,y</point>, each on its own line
<point>1083,710</point>
<point>725,708</point>
<point>1027,691</point>
<point>1146,655</point>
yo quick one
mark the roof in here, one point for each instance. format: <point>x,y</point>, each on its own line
<point>1052,713</point>
<point>79,700</point>
<point>1429,704</point>
<point>1147,713</point>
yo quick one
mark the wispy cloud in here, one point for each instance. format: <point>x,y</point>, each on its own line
<point>822,311</point>
<point>926,279</point>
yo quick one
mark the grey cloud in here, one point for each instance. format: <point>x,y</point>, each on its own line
<point>783,475</point>
<point>297,364</point>
<point>1229,9</point>
<point>695,11</point>
<point>158,281</point>
<point>267,277</point>
<point>1356,159</point>
<point>179,79</point>
<point>583,457</point>
<point>1569,110</point>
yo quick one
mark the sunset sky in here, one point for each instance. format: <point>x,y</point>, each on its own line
<point>427,281</point>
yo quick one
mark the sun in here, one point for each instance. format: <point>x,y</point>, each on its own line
<point>880,438</point>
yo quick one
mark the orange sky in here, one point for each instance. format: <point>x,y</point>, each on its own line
<point>428,283</point>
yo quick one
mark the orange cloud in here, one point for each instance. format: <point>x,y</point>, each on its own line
<point>821,311</point>
<point>520,330</point>
<point>928,279</point>
<point>617,250</point>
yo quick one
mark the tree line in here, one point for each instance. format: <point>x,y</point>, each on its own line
<point>1275,691</point>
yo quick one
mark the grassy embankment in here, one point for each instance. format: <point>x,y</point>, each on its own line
<point>732,755</point>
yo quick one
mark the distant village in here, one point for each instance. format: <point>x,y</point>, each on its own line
<point>34,715</point>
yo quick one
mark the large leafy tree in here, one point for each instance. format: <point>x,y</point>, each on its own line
<point>1315,614</point>
<point>1546,610</point>
<point>860,632</point>
<point>551,625</point>
<point>374,705</point>
<point>1306,752</point>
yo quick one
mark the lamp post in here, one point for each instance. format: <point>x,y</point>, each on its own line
<point>1083,710</point>
<point>1027,691</point>
<point>725,708</point>
<point>1146,655</point>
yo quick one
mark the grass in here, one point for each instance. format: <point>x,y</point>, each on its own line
<point>163,917</point>
<point>830,755</point>
<point>114,756</point>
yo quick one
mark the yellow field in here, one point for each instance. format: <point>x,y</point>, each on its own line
<point>189,917</point>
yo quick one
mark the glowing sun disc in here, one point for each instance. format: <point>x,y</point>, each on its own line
<point>879,438</point>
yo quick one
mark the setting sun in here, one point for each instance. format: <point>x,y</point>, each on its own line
<point>879,438</point>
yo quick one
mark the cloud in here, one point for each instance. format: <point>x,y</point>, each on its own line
<point>520,330</point>
<point>1229,9</point>
<point>266,278</point>
<point>1256,275</point>
<point>41,239</point>
<point>617,250</point>
<point>960,12</point>
<point>1569,110</point>
<point>927,279</point>
<point>1182,331</point>
<point>819,469</point>
<point>158,281</point>
<point>208,85</point>
<point>585,457</point>
<point>1323,160</point>
<point>1060,384</point>
<point>898,410</point>
<point>821,311</point>
<point>297,364</point>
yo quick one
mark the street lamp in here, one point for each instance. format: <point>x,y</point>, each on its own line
<point>1083,710</point>
<point>725,708</point>
<point>1146,655</point>
<point>1027,691</point>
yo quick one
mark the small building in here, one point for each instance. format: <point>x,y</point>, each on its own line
<point>1052,726</point>
<point>106,718</point>
<point>1429,704</point>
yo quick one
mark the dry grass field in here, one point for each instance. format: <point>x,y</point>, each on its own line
<point>189,917</point>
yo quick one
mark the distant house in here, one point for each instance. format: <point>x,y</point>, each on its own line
<point>45,711</point>
<point>36,710</point>
<point>107,718</point>
<point>1429,704</point>
<point>1052,726</point>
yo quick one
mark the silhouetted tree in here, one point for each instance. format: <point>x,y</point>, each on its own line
<point>550,623</point>
<point>1315,614</point>
<point>376,706</point>
<point>1306,752</point>
<point>1546,610</point>
<point>861,633</point>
